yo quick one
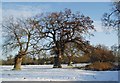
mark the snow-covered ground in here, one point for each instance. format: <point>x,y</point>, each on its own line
<point>47,73</point>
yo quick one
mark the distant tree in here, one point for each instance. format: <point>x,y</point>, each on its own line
<point>17,34</point>
<point>73,49</point>
<point>60,28</point>
<point>9,61</point>
<point>70,51</point>
<point>10,57</point>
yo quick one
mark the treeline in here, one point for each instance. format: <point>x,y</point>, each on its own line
<point>98,54</point>
<point>31,61</point>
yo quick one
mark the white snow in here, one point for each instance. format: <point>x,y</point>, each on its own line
<point>47,73</point>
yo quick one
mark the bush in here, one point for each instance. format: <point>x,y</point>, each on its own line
<point>100,66</point>
<point>102,54</point>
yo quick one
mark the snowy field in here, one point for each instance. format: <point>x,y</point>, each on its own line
<point>47,73</point>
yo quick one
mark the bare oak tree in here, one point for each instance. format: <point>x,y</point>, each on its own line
<point>17,34</point>
<point>59,28</point>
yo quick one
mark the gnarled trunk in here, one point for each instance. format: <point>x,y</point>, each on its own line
<point>18,60</point>
<point>57,61</point>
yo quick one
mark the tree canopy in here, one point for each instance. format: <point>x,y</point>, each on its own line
<point>60,28</point>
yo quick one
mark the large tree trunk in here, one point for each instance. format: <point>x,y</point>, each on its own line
<point>57,61</point>
<point>18,60</point>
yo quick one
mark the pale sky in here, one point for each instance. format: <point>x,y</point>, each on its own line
<point>58,0</point>
<point>93,9</point>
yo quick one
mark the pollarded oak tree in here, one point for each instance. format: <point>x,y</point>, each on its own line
<point>59,28</point>
<point>17,34</point>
